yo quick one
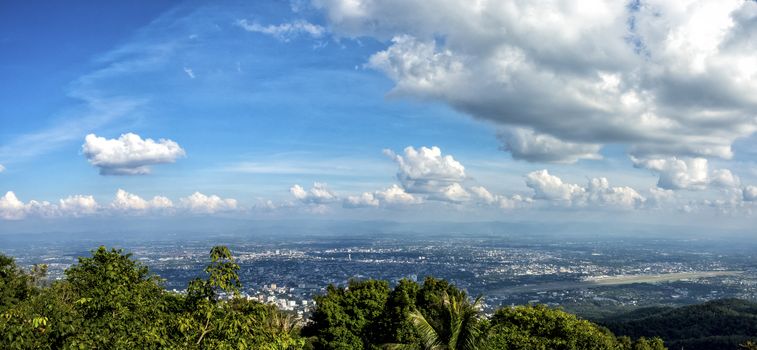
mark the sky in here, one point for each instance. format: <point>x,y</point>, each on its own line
<point>605,112</point>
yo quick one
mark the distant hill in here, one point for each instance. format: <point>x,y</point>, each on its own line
<point>720,324</point>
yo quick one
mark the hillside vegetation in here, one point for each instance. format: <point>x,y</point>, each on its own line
<point>720,324</point>
<point>110,301</point>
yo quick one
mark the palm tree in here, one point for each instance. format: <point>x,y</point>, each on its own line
<point>457,328</point>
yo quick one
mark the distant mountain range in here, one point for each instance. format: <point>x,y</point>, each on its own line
<point>715,325</point>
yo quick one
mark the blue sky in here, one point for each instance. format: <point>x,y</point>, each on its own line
<point>360,110</point>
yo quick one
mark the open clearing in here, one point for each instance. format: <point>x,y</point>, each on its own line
<point>613,281</point>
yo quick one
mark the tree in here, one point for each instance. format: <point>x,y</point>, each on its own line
<point>348,318</point>
<point>15,285</point>
<point>394,325</point>
<point>539,327</point>
<point>457,328</point>
<point>208,322</point>
<point>109,301</point>
<point>121,301</point>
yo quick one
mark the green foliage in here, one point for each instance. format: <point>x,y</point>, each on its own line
<point>109,301</point>
<point>15,286</point>
<point>394,325</point>
<point>721,324</point>
<point>539,327</point>
<point>120,300</point>
<point>349,318</point>
<point>457,328</point>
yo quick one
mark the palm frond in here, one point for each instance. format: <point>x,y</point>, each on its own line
<point>427,333</point>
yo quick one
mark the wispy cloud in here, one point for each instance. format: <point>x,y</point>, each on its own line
<point>189,72</point>
<point>74,124</point>
<point>284,31</point>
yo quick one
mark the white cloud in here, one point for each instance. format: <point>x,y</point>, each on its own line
<point>666,78</point>
<point>687,173</point>
<point>600,193</point>
<point>534,147</point>
<point>129,202</point>
<point>201,204</point>
<point>657,197</point>
<point>483,194</point>
<point>190,73</point>
<point>426,171</point>
<point>513,201</point>
<point>550,187</point>
<point>2,168</point>
<point>453,193</point>
<point>11,208</point>
<point>318,194</point>
<point>44,209</point>
<point>597,193</point>
<point>284,31</point>
<point>724,178</point>
<point>750,193</point>
<point>129,154</point>
<point>364,200</point>
<point>78,205</point>
<point>396,195</point>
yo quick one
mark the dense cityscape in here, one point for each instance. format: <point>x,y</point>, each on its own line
<point>586,275</point>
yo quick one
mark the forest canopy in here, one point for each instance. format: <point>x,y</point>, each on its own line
<point>110,301</point>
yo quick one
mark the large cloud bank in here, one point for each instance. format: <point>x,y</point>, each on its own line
<point>665,78</point>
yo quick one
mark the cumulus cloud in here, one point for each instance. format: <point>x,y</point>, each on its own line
<point>527,145</point>
<point>687,173</point>
<point>598,192</point>
<point>11,208</point>
<point>426,171</point>
<point>129,154</point>
<point>364,200</point>
<point>750,193</point>
<point>2,168</point>
<point>483,195</point>
<point>657,197</point>
<point>724,178</point>
<point>129,202</point>
<point>396,195</point>
<point>284,31</point>
<point>666,78</point>
<point>318,194</point>
<point>393,196</point>
<point>452,193</point>
<point>202,204</point>
<point>78,205</point>
<point>550,187</point>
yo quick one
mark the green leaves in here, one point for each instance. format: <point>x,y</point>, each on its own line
<point>108,300</point>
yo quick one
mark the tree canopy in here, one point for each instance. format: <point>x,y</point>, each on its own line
<point>111,301</point>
